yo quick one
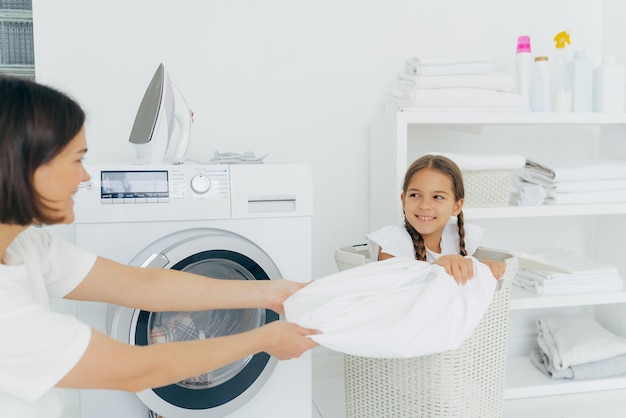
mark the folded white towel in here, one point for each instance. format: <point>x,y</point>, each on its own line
<point>398,308</point>
<point>485,162</point>
<point>605,169</point>
<point>574,340</point>
<point>612,366</point>
<point>491,81</point>
<point>524,193</point>
<point>609,196</point>
<point>448,66</point>
<point>571,260</point>
<point>467,59</point>
<point>569,286</point>
<point>575,186</point>
<point>454,97</point>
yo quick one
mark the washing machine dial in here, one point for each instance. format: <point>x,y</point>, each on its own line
<point>200,183</point>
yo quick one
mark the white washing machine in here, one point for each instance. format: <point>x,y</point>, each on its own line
<point>249,222</point>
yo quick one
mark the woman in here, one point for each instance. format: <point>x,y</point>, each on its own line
<point>42,144</point>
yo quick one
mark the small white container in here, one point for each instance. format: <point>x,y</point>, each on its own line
<point>524,69</point>
<point>581,76</point>
<point>540,100</point>
<point>608,86</point>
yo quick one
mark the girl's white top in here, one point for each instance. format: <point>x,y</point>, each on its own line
<point>39,346</point>
<point>396,241</point>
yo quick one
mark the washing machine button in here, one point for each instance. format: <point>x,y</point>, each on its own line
<point>200,183</point>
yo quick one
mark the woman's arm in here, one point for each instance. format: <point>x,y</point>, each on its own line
<point>110,364</point>
<point>156,290</point>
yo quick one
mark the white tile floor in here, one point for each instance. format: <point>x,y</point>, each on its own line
<point>328,398</point>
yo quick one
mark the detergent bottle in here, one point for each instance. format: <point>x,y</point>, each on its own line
<point>524,63</point>
<point>560,80</point>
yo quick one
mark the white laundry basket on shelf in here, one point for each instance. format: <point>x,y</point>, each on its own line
<point>464,383</point>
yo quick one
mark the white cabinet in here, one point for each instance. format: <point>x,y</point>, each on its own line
<point>596,230</point>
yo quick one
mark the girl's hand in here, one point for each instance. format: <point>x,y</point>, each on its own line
<point>457,266</point>
<point>286,340</point>
<point>497,267</point>
<point>281,289</point>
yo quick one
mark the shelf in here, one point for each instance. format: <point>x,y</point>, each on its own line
<point>445,118</point>
<point>523,380</point>
<point>523,299</point>
<point>545,210</point>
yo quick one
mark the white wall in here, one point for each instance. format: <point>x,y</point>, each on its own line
<point>297,80</point>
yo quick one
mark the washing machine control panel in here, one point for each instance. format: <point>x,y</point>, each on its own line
<point>168,192</point>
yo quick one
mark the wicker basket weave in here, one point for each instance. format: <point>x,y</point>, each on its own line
<point>487,188</point>
<point>464,383</point>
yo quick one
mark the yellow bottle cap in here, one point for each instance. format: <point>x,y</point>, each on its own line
<point>561,39</point>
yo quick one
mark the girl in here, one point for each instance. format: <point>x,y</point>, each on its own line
<point>42,144</point>
<point>432,193</point>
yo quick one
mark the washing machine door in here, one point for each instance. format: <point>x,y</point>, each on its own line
<point>212,253</point>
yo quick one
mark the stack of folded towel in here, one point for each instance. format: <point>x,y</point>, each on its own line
<point>578,347</point>
<point>585,276</point>
<point>468,162</point>
<point>462,83</point>
<point>597,181</point>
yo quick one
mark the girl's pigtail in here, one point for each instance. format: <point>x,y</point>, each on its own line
<point>460,223</point>
<point>418,241</point>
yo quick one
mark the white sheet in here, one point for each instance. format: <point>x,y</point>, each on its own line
<point>397,308</point>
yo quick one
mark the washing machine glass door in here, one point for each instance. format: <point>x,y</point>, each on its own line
<point>218,393</point>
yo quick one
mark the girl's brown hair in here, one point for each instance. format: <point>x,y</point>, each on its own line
<point>447,167</point>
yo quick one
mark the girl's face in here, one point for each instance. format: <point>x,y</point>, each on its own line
<point>429,203</point>
<point>57,181</point>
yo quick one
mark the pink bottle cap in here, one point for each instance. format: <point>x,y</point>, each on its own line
<point>523,44</point>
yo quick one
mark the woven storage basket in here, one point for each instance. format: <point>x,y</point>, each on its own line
<point>487,188</point>
<point>464,383</point>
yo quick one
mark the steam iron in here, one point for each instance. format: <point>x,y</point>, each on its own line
<point>162,125</point>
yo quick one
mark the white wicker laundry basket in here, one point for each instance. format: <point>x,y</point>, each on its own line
<point>464,383</point>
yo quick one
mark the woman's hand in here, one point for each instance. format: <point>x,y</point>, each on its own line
<point>457,266</point>
<point>497,267</point>
<point>286,340</point>
<point>280,290</point>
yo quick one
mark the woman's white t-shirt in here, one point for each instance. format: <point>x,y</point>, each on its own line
<point>39,346</point>
<point>396,241</point>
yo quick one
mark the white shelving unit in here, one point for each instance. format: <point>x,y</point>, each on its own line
<point>594,229</point>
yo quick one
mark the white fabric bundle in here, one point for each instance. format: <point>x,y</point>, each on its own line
<point>568,341</point>
<point>397,308</point>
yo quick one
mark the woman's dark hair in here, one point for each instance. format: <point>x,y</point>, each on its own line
<point>36,124</point>
<point>449,168</point>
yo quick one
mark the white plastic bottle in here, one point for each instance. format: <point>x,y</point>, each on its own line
<point>524,68</point>
<point>560,82</point>
<point>608,86</point>
<point>540,100</point>
<point>581,76</point>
